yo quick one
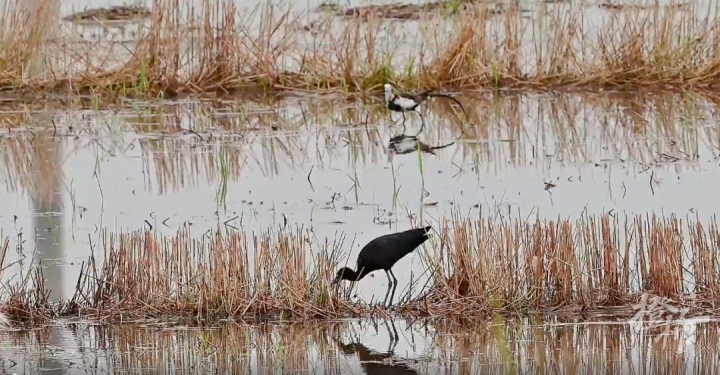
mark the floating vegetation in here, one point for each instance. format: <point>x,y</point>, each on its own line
<point>401,11</point>
<point>115,13</point>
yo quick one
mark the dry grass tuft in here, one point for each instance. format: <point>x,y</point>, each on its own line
<point>224,274</point>
<point>564,267</point>
<point>26,301</point>
<point>218,48</point>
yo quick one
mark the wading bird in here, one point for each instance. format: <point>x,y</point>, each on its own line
<point>381,254</point>
<point>406,102</point>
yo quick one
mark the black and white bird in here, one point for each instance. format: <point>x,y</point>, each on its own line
<point>381,254</point>
<point>408,102</point>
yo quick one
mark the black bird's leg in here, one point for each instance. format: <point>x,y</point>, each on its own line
<point>403,123</point>
<point>388,289</point>
<point>352,286</point>
<point>390,272</point>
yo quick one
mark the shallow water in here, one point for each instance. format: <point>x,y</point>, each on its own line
<point>317,165</point>
<point>323,166</point>
<point>365,347</point>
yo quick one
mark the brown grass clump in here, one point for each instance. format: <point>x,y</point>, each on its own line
<point>563,267</point>
<point>27,300</point>
<point>24,28</point>
<point>218,48</point>
<point>225,274</point>
<point>474,268</point>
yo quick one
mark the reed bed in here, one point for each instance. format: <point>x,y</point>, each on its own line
<point>220,49</point>
<point>474,268</point>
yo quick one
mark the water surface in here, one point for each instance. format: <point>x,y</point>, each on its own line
<point>367,347</point>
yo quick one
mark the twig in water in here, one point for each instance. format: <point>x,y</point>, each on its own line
<point>652,175</point>
<point>308,178</point>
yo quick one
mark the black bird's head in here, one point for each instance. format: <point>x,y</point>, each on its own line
<point>344,273</point>
<point>425,231</point>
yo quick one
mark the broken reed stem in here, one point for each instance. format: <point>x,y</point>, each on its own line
<point>475,268</point>
<point>220,49</point>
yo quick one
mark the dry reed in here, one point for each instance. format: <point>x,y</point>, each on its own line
<point>475,268</point>
<point>220,49</point>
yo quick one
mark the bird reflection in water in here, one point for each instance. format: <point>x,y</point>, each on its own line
<point>405,144</point>
<point>377,363</point>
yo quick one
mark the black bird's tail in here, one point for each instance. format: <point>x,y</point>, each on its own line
<point>426,94</point>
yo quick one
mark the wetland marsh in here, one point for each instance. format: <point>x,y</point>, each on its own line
<point>179,200</point>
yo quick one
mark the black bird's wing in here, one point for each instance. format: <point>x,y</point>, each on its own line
<point>384,251</point>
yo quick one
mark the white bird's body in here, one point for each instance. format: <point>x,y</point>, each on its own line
<point>404,102</point>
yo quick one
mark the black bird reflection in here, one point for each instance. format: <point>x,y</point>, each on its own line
<point>405,144</point>
<point>377,363</point>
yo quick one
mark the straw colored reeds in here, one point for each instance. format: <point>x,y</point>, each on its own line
<point>474,268</point>
<point>218,48</point>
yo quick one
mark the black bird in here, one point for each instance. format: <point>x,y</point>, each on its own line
<point>406,102</point>
<point>381,254</point>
